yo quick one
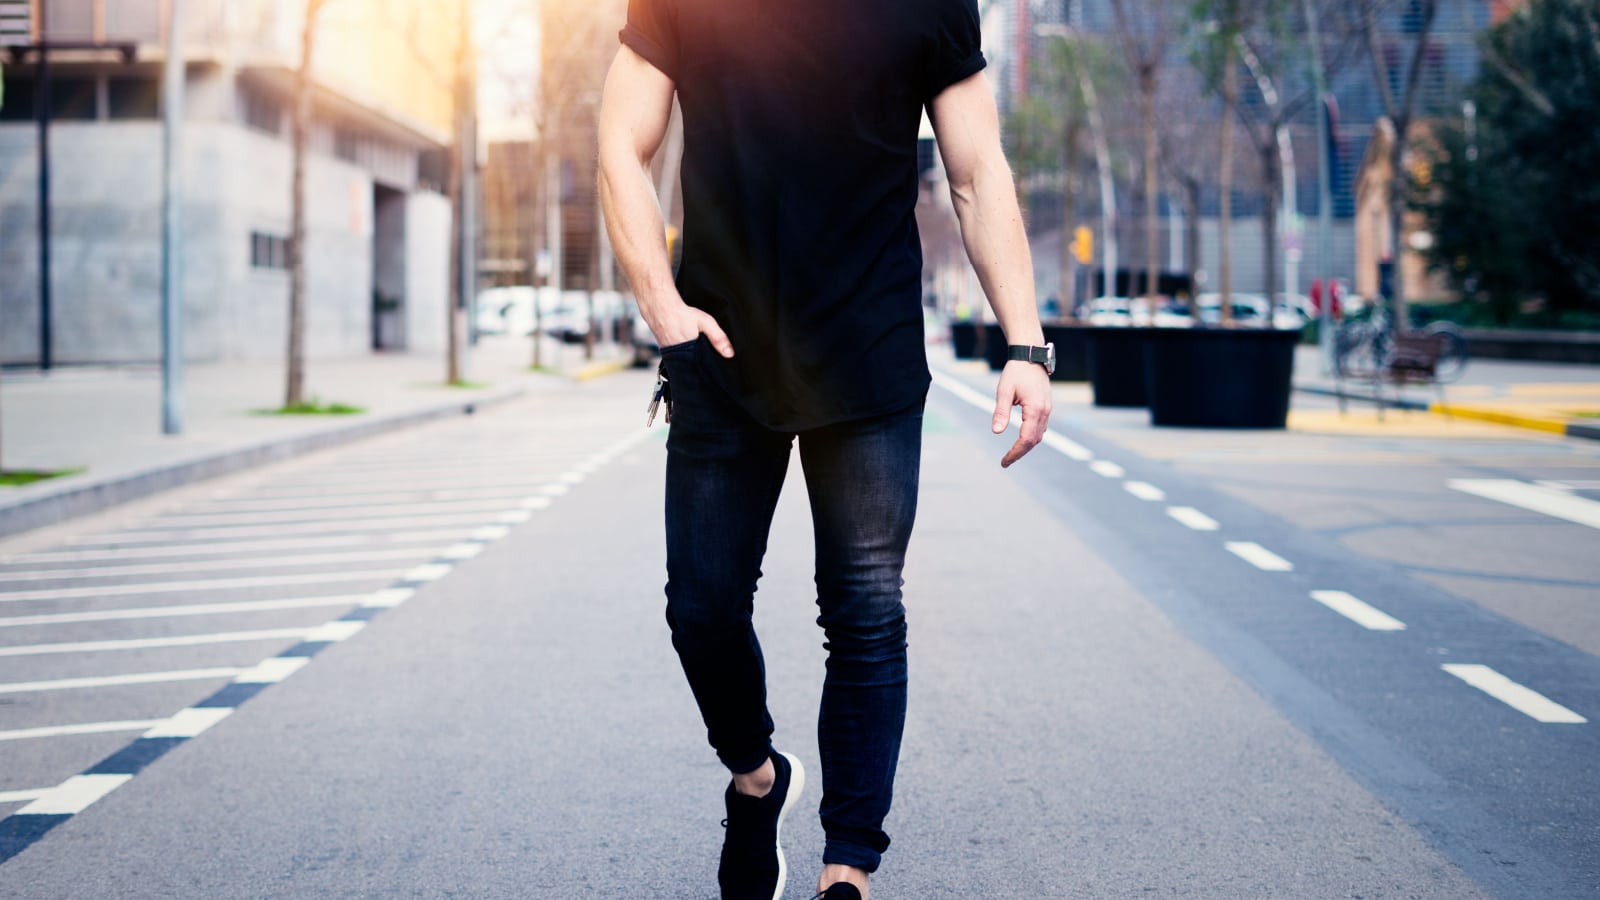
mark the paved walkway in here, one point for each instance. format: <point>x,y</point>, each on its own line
<point>107,420</point>
<point>1559,398</point>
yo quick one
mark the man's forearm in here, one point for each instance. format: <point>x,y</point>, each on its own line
<point>638,234</point>
<point>997,245</point>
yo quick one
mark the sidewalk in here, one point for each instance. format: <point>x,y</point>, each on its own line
<point>1556,398</point>
<point>107,420</point>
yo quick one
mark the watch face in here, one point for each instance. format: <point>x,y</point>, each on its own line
<point>1050,358</point>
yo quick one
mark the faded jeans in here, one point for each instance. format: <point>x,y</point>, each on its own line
<point>724,473</point>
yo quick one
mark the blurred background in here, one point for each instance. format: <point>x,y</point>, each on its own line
<point>1190,160</point>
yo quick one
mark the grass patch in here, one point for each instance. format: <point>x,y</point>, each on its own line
<point>22,477</point>
<point>545,370</point>
<point>1586,414</point>
<point>313,407</point>
<point>467,385</point>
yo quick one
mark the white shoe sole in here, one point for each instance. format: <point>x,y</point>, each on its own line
<point>797,783</point>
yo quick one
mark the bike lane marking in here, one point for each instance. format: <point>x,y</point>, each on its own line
<point>1358,611</point>
<point>1523,699</point>
<point>1533,497</point>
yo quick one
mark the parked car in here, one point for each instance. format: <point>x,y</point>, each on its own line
<point>1109,311</point>
<point>1248,309</point>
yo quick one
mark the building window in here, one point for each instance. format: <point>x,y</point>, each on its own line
<point>18,100</point>
<point>346,145</point>
<point>261,112</point>
<point>268,251</point>
<point>134,98</point>
<point>74,99</point>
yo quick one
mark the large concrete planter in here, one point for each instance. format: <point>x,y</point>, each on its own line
<point>994,347</point>
<point>1220,377</point>
<point>1117,362</point>
<point>1072,351</point>
<point>964,339</point>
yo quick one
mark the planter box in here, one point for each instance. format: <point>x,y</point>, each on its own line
<point>964,339</point>
<point>994,347</point>
<point>1072,351</point>
<point>1117,363</point>
<point>1220,377</point>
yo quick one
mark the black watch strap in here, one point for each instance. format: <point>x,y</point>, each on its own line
<point>1040,355</point>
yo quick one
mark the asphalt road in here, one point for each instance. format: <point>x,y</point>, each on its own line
<point>434,664</point>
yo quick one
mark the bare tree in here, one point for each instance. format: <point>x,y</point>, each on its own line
<point>300,129</point>
<point>1400,108</point>
<point>1145,42</point>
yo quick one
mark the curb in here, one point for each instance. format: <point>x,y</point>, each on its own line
<point>84,499</point>
<point>1515,420</point>
<point>600,369</point>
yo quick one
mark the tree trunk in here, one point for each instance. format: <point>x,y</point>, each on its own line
<point>1067,291</point>
<point>1191,229</point>
<point>1397,209</point>
<point>300,126</point>
<point>1152,249</point>
<point>1230,99</point>
<point>461,116</point>
<point>1272,180</point>
<point>535,203</point>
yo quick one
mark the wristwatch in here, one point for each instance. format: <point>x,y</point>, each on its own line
<point>1044,356</point>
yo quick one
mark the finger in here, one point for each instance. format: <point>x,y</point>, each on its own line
<point>1017,451</point>
<point>1035,419</point>
<point>1003,399</point>
<point>715,334</point>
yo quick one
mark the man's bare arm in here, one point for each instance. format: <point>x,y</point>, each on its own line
<point>634,113</point>
<point>967,127</point>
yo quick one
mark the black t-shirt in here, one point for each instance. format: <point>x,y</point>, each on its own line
<point>800,187</point>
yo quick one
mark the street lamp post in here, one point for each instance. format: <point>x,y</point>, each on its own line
<point>172,90</point>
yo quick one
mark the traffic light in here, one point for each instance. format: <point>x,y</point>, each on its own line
<point>1083,245</point>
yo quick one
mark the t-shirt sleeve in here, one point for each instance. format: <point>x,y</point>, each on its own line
<point>652,32</point>
<point>955,51</point>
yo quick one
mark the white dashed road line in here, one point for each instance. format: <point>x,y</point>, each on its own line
<point>1357,611</point>
<point>1259,556</point>
<point>23,734</point>
<point>21,796</point>
<point>181,640</point>
<point>1144,491</point>
<point>177,587</point>
<point>188,723</point>
<point>1525,700</point>
<point>1106,468</point>
<point>272,671</point>
<point>67,684</point>
<point>1193,518</point>
<point>193,609</point>
<point>74,795</point>
<point>1067,447</point>
<point>1533,497</point>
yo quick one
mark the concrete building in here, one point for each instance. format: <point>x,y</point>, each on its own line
<point>378,225</point>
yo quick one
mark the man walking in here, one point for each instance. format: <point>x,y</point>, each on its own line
<point>796,316</point>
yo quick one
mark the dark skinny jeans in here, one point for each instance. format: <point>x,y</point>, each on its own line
<point>724,473</point>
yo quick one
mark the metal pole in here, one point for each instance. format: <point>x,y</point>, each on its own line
<point>41,103</point>
<point>172,92</point>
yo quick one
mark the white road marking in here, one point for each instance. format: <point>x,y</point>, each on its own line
<point>178,587</point>
<point>1193,518</point>
<point>1259,556</point>
<point>535,503</point>
<point>515,516</point>
<point>272,671</point>
<point>214,565</point>
<point>429,572</point>
<point>351,488</point>
<point>21,796</point>
<point>388,598</point>
<point>387,497</point>
<point>462,551</point>
<point>195,609</point>
<point>182,640</point>
<point>1106,468</point>
<point>491,533</point>
<point>1358,611</point>
<point>1144,491</point>
<point>572,478</point>
<point>188,723</point>
<point>1560,504</point>
<point>335,631</point>
<point>74,795</point>
<point>23,734</point>
<point>407,510</point>
<point>1067,447</point>
<point>1529,702</point>
<point>228,533</point>
<point>188,551</point>
<point>555,490</point>
<point>65,684</point>
<point>962,391</point>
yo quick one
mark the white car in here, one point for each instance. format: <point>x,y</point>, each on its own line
<point>1109,311</point>
<point>1248,309</point>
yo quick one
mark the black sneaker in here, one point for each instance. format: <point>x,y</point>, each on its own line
<point>752,858</point>
<point>842,890</point>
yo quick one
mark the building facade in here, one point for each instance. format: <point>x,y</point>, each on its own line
<point>378,226</point>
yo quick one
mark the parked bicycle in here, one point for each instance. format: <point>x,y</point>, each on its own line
<point>1365,348</point>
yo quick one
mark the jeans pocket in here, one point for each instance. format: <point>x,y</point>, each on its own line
<point>680,347</point>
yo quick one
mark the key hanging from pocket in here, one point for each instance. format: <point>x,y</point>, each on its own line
<point>663,392</point>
